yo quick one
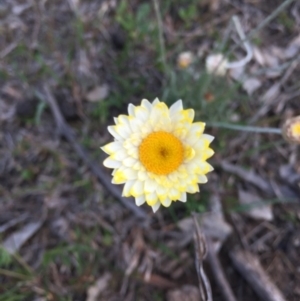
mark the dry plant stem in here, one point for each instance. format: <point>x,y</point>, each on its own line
<point>273,15</point>
<point>68,133</point>
<point>250,268</point>
<point>268,104</point>
<point>13,274</point>
<point>248,176</point>
<point>246,44</point>
<point>219,274</point>
<point>264,23</point>
<point>23,263</point>
<point>200,255</point>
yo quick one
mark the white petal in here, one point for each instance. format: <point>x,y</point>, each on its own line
<point>113,132</point>
<point>133,152</point>
<point>150,185</point>
<point>202,179</point>
<point>146,104</point>
<point>145,130</point>
<point>136,125</point>
<point>112,147</point>
<point>140,200</point>
<point>130,173</point>
<point>174,194</point>
<point>195,133</point>
<point>175,107</point>
<point>166,202</point>
<point>127,187</point>
<point>162,192</point>
<point>173,177</point>
<point>142,175</point>
<point>119,177</point>
<point>141,113</point>
<point>210,138</point>
<point>120,155</point>
<point>131,109</point>
<point>151,198</point>
<point>156,101</point>
<point>137,165</point>
<point>123,119</point>
<point>183,197</point>
<point>204,167</point>
<point>200,144</point>
<point>111,163</point>
<point>123,130</point>
<point>129,162</point>
<point>192,188</point>
<point>155,206</point>
<point>137,188</point>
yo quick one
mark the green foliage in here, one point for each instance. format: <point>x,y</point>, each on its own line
<point>39,112</point>
<point>285,20</point>
<point>27,174</point>
<point>211,97</point>
<point>68,255</point>
<point>194,204</point>
<point>15,294</point>
<point>188,13</point>
<point>5,258</point>
<point>137,25</point>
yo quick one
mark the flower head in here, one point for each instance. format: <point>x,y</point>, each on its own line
<point>291,130</point>
<point>158,153</point>
<point>185,59</point>
<point>216,64</point>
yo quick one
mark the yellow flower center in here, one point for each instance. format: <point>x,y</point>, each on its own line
<point>161,153</point>
<point>296,129</point>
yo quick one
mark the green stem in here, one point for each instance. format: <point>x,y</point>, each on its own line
<point>245,128</point>
<point>160,34</point>
<point>13,274</point>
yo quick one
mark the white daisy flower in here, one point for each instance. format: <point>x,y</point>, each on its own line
<point>158,153</point>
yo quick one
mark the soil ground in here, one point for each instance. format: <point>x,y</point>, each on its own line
<point>64,235</point>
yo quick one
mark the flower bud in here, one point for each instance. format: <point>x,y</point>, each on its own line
<point>216,64</point>
<point>185,59</point>
<point>291,130</point>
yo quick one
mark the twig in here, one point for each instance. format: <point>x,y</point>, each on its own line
<point>66,131</point>
<point>8,49</point>
<point>273,15</point>
<point>268,103</point>
<point>200,255</point>
<point>250,268</point>
<point>219,275</point>
<point>246,44</point>
<point>264,23</point>
<point>248,176</point>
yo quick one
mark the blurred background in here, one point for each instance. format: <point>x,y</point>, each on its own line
<point>67,67</point>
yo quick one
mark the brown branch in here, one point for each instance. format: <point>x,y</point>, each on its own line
<point>250,268</point>
<point>248,176</point>
<point>66,131</point>
<point>200,255</point>
<point>219,275</point>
